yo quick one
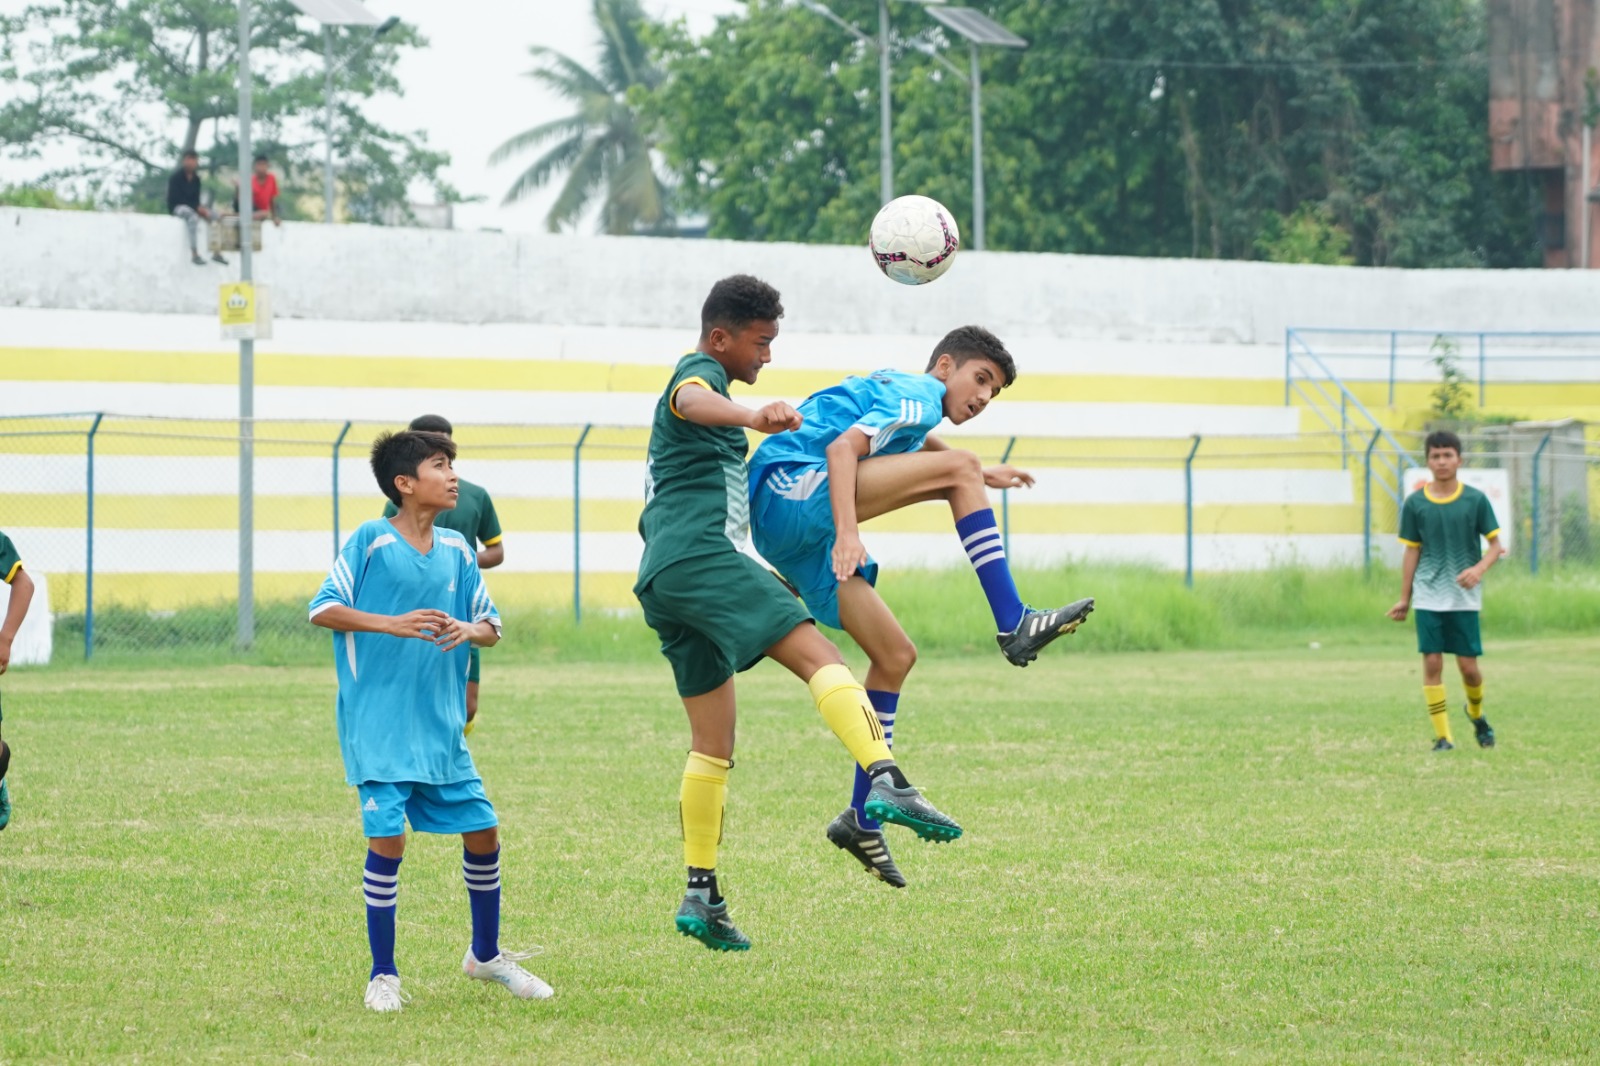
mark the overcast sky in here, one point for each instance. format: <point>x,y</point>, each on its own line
<point>469,93</point>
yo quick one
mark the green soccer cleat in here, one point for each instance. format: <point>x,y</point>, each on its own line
<point>1484,731</point>
<point>1038,628</point>
<point>869,847</point>
<point>907,807</point>
<point>1443,745</point>
<point>708,923</point>
<point>5,804</point>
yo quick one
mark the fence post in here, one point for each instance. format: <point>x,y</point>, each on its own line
<point>336,446</point>
<point>1344,432</point>
<point>1482,378</point>
<point>1366,518</point>
<point>1188,513</point>
<point>1533,547</point>
<point>577,526</point>
<point>1288,364</point>
<point>1394,337</point>
<point>88,561</point>
<point>1005,502</point>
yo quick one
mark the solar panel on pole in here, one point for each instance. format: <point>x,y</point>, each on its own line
<point>337,12</point>
<point>977,27</point>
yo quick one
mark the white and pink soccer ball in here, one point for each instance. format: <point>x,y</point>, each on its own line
<point>914,239</point>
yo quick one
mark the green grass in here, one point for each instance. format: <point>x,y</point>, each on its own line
<point>1187,857</point>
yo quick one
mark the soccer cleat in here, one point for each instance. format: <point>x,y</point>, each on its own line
<point>384,995</point>
<point>907,807</point>
<point>1038,628</point>
<point>1480,726</point>
<point>869,847</point>
<point>708,923</point>
<point>504,969</point>
<point>1443,745</point>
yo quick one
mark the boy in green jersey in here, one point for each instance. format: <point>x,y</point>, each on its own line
<point>474,517</point>
<point>1441,578</point>
<point>719,612</point>
<point>12,574</point>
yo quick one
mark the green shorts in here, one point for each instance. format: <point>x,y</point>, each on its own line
<point>1448,633</point>
<point>473,662</point>
<point>717,615</point>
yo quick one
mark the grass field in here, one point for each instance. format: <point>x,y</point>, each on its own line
<point>1193,856</point>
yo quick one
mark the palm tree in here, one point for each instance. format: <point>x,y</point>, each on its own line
<point>604,146</point>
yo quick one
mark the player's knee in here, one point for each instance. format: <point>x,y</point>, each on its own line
<point>897,661</point>
<point>5,759</point>
<point>965,466</point>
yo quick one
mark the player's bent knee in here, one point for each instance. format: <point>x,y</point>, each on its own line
<point>965,465</point>
<point>898,660</point>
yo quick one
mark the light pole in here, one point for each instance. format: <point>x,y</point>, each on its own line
<point>978,29</point>
<point>885,125</point>
<point>247,354</point>
<point>338,13</point>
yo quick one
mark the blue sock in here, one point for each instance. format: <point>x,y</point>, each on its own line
<point>884,703</point>
<point>482,873</point>
<point>380,884</point>
<point>980,536</point>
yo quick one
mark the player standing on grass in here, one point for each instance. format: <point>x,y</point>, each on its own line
<point>866,449</point>
<point>12,574</point>
<point>473,517</point>
<point>718,612</point>
<point>1441,578</point>
<point>405,598</point>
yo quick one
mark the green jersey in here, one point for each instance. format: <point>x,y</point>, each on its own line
<point>473,515</point>
<point>697,487</point>
<point>1447,531</point>
<point>10,561</point>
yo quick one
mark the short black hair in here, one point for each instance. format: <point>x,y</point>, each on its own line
<point>190,154</point>
<point>394,454</point>
<point>433,424</point>
<point>1441,438</point>
<point>735,302</point>
<point>261,159</point>
<point>974,342</point>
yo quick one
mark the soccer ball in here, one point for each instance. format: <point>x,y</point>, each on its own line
<point>914,239</point>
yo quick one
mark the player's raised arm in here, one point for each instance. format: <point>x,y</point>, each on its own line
<point>698,404</point>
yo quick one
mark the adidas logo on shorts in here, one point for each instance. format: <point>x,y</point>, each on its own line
<point>372,804</point>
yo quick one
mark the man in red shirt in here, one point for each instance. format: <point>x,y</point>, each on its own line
<point>263,192</point>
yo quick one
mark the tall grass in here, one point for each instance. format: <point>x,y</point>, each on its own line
<point>1139,609</point>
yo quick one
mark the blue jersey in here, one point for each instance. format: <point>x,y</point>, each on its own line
<point>895,409</point>
<point>402,701</point>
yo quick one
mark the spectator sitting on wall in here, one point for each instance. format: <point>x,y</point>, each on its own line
<point>183,200</point>
<point>263,193</point>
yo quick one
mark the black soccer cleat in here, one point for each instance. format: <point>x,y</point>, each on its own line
<point>1443,745</point>
<point>1038,628</point>
<point>867,845</point>
<point>1484,730</point>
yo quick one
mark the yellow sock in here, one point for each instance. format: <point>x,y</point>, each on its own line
<point>1474,702</point>
<point>844,706</point>
<point>1437,710</point>
<point>700,802</point>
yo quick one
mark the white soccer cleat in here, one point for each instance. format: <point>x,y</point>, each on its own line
<point>504,969</point>
<point>384,995</point>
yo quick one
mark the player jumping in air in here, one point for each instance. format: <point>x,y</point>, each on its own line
<point>866,449</point>
<point>718,612</point>
<point>1441,578</point>
<point>405,598</point>
<point>475,519</point>
<point>12,574</point>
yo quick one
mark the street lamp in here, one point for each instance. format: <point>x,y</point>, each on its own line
<point>978,29</point>
<point>338,13</point>
<point>885,129</point>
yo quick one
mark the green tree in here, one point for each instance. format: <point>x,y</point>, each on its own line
<point>604,146</point>
<point>134,83</point>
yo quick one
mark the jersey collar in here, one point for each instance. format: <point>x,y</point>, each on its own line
<point>1449,499</point>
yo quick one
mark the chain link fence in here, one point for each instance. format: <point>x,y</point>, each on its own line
<point>134,523</point>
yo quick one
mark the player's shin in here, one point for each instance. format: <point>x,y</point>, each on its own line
<point>884,705</point>
<point>1438,710</point>
<point>843,704</point>
<point>980,536</point>
<point>380,884</point>
<point>482,875</point>
<point>701,799</point>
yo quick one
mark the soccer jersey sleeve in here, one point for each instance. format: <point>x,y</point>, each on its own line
<point>706,372</point>
<point>10,561</point>
<point>1488,525</point>
<point>344,577</point>
<point>480,607</point>
<point>489,531</point>
<point>1410,528</point>
<point>900,408</point>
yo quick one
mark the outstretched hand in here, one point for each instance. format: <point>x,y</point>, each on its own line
<point>1006,476</point>
<point>775,418</point>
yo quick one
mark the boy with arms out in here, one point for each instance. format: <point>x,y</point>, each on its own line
<point>474,518</point>
<point>866,449</point>
<point>12,574</point>
<point>404,598</point>
<point>1441,578</point>
<point>718,612</point>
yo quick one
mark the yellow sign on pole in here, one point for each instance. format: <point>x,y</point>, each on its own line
<point>243,311</point>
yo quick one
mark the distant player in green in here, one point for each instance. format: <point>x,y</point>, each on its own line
<point>719,612</point>
<point>12,574</point>
<point>1441,579</point>
<point>475,517</point>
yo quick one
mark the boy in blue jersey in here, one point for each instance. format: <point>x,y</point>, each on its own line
<point>405,599</point>
<point>865,448</point>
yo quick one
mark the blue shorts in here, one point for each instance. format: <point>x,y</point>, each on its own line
<point>459,807</point>
<point>791,523</point>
